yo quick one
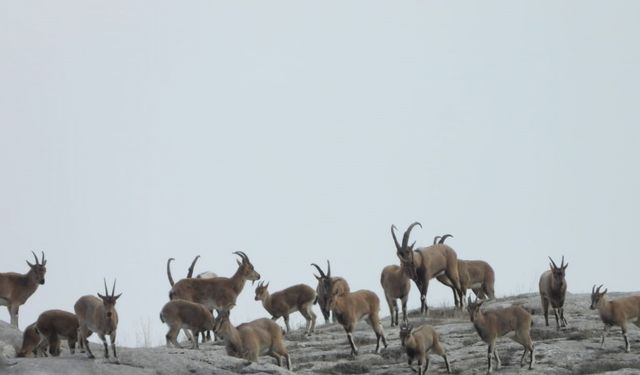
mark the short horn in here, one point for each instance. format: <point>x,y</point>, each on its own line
<point>319,270</point>
<point>393,234</point>
<point>35,257</point>
<point>562,263</point>
<point>593,289</point>
<point>42,261</point>
<point>405,238</point>
<point>193,265</point>
<point>435,239</point>
<point>328,269</point>
<point>552,262</point>
<point>113,290</point>
<point>242,255</point>
<point>106,291</point>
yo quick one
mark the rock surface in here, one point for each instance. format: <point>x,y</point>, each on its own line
<point>573,350</point>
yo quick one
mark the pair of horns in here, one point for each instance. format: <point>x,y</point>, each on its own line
<point>597,291</point>
<point>322,274</point>
<point>38,262</point>
<point>562,265</point>
<point>113,290</point>
<point>405,237</point>
<point>242,255</point>
<point>441,239</point>
<point>261,284</point>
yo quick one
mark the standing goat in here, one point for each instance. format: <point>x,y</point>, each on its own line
<point>253,339</point>
<point>56,324</point>
<point>616,312</point>
<point>553,288</point>
<point>351,307</point>
<point>476,275</point>
<point>496,323</point>
<point>418,342</point>
<point>426,263</point>
<point>189,273</point>
<point>98,315</point>
<point>339,284</point>
<point>16,288</point>
<point>396,285</point>
<point>218,293</point>
<point>299,297</point>
<point>189,316</point>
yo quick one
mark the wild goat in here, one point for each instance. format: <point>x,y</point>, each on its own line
<point>496,323</point>
<point>189,316</point>
<point>253,339</point>
<point>217,293</point>
<point>476,275</point>
<point>33,344</point>
<point>339,284</point>
<point>98,315</point>
<point>418,342</point>
<point>16,288</point>
<point>351,307</point>
<point>396,285</point>
<point>299,297</point>
<point>553,288</point>
<point>616,312</point>
<point>54,325</point>
<point>426,263</point>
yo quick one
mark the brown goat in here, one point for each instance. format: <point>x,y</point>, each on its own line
<point>553,287</point>
<point>253,339</point>
<point>54,325</point>
<point>476,275</point>
<point>396,285</point>
<point>299,297</point>
<point>192,317</point>
<point>33,343</point>
<point>339,284</point>
<point>418,342</point>
<point>16,288</point>
<point>426,263</point>
<point>616,312</point>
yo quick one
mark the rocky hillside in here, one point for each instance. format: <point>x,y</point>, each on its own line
<point>574,350</point>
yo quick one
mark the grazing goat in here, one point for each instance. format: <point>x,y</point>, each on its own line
<point>56,324</point>
<point>299,297</point>
<point>476,275</point>
<point>16,288</point>
<point>253,339</point>
<point>33,344</point>
<point>189,316</point>
<point>98,315</point>
<point>396,285</point>
<point>553,288</point>
<point>339,284</point>
<point>351,307</point>
<point>418,342</point>
<point>218,293</point>
<point>616,312</point>
<point>496,323</point>
<point>426,263</point>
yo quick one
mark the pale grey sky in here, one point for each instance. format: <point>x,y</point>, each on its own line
<point>134,131</point>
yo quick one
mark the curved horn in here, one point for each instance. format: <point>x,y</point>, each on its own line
<point>328,269</point>
<point>242,255</point>
<point>393,234</point>
<point>405,238</point>
<point>552,262</point>
<point>35,257</point>
<point>435,239</point>
<point>106,292</point>
<point>169,271</point>
<point>598,288</point>
<point>593,289</point>
<point>319,270</point>
<point>113,290</point>
<point>444,238</point>
<point>193,264</point>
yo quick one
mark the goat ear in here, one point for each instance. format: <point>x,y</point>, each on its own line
<point>101,296</point>
<point>565,266</point>
<point>115,298</point>
<point>30,265</point>
<point>317,277</point>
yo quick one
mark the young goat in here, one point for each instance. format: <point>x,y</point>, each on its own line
<point>351,307</point>
<point>476,275</point>
<point>218,292</point>
<point>339,284</point>
<point>553,288</point>
<point>193,318</point>
<point>418,342</point>
<point>426,263</point>
<point>98,315</point>
<point>253,339</point>
<point>16,288</point>
<point>299,297</point>
<point>396,285</point>
<point>616,312</point>
<point>54,325</point>
<point>33,344</point>
<point>496,323</point>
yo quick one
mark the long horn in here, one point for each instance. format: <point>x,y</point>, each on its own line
<point>593,289</point>
<point>562,263</point>
<point>113,290</point>
<point>35,257</point>
<point>598,288</point>
<point>393,234</point>
<point>169,271</point>
<point>444,238</point>
<point>405,238</point>
<point>552,262</point>
<point>328,269</point>
<point>42,261</point>
<point>106,292</point>
<point>435,239</point>
<point>193,264</point>
<point>319,270</point>
<point>242,255</point>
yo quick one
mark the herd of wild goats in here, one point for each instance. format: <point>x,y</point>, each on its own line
<point>193,300</point>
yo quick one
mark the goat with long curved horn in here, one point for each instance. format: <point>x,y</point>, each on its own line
<point>395,240</point>
<point>193,265</point>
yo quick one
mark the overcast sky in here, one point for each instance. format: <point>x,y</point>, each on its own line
<point>296,131</point>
